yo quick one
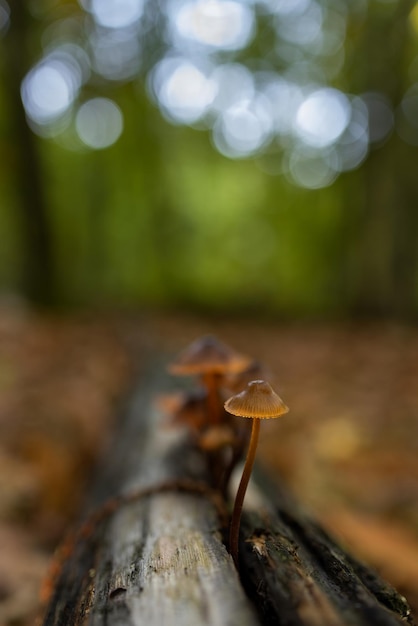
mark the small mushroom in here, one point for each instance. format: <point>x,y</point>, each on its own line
<point>187,408</point>
<point>210,359</point>
<point>258,401</point>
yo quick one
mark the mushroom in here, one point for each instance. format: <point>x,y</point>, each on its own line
<point>186,409</point>
<point>258,401</point>
<point>210,359</point>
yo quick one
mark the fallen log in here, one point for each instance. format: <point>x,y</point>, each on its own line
<point>155,555</point>
<point>298,575</point>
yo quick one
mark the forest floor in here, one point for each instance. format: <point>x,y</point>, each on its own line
<point>348,449</point>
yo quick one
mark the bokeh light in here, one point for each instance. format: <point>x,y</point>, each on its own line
<point>50,88</point>
<point>99,123</point>
<point>116,53</point>
<point>322,117</point>
<point>183,90</point>
<point>201,74</point>
<point>287,7</point>
<point>119,14</point>
<point>243,128</point>
<point>312,169</point>
<point>224,24</point>
<point>285,99</point>
<point>301,27</point>
<point>234,83</point>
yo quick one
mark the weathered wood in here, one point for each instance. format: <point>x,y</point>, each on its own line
<point>299,576</point>
<point>160,559</point>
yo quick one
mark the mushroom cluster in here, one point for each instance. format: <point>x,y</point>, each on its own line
<point>211,419</point>
<point>211,361</point>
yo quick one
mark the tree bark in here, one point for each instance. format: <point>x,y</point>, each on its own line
<point>297,575</point>
<point>160,558</point>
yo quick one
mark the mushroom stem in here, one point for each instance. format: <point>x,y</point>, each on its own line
<point>239,499</point>
<point>214,407</point>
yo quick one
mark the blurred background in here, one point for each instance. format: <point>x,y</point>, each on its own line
<point>178,167</point>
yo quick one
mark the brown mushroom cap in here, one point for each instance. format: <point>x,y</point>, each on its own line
<point>208,355</point>
<point>258,400</point>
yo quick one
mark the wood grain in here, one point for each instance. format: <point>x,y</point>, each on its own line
<point>158,559</point>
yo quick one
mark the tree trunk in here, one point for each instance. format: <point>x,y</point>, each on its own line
<point>382,194</point>
<point>35,230</point>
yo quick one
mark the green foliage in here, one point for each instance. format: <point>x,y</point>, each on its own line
<point>160,218</point>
